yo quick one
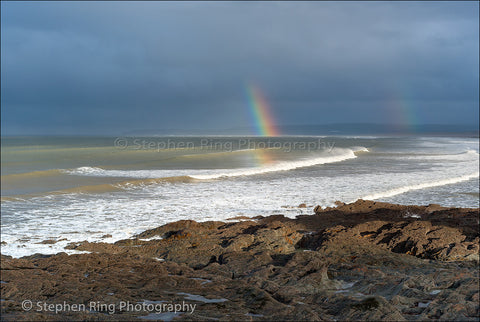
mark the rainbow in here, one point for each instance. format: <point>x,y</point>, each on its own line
<point>263,157</point>
<point>400,110</point>
<point>402,115</point>
<point>261,114</point>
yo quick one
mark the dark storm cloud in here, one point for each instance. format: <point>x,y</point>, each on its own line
<point>107,67</point>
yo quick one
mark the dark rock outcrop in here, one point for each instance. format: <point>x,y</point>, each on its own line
<point>360,261</point>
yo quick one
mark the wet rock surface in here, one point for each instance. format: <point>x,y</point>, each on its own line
<point>360,261</point>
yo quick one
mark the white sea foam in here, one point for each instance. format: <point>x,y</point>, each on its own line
<point>140,174</point>
<point>84,171</point>
<point>337,155</point>
<point>152,238</point>
<point>360,149</point>
<point>343,154</point>
<point>400,190</point>
<point>126,213</point>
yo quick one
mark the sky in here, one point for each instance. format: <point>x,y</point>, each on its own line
<point>91,67</point>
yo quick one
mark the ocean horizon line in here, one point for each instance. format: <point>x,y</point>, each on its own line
<point>327,129</point>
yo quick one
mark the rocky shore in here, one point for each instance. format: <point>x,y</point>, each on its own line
<point>361,261</point>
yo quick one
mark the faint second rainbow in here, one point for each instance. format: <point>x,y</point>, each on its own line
<point>261,114</point>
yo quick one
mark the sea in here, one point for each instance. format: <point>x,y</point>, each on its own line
<point>69,189</point>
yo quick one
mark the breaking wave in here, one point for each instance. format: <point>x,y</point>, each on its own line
<point>400,190</point>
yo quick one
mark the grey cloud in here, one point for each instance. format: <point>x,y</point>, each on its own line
<point>181,63</point>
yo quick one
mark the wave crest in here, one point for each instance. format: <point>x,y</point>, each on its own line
<point>400,190</point>
<point>281,166</point>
